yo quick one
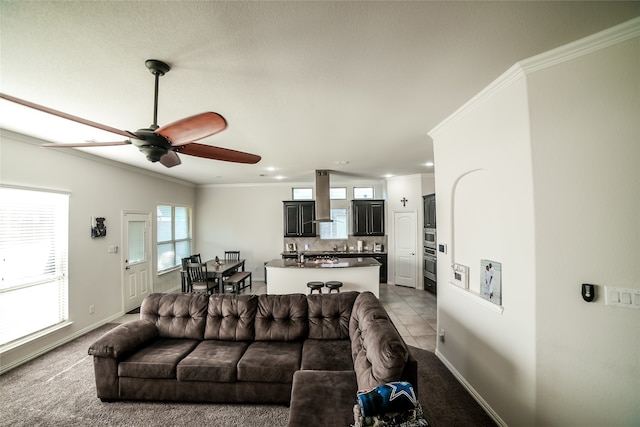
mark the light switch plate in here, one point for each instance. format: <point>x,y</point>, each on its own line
<point>622,297</point>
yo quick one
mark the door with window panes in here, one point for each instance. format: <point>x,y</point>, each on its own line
<point>136,283</point>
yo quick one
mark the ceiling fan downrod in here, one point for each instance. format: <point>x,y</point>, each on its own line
<point>157,68</point>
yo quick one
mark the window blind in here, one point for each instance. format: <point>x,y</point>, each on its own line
<point>173,225</point>
<point>34,233</point>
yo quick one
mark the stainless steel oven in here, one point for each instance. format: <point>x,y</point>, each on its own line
<point>430,237</point>
<point>430,269</point>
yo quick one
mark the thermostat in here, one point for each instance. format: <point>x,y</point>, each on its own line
<point>442,247</point>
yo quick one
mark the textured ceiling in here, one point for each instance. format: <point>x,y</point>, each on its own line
<point>305,85</point>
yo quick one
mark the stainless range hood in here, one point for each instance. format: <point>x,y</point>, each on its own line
<point>323,201</point>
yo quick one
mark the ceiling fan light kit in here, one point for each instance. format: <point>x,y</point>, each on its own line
<point>160,144</point>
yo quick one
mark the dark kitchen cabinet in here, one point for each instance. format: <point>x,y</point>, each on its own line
<point>430,211</point>
<point>382,259</point>
<point>298,218</point>
<point>368,217</point>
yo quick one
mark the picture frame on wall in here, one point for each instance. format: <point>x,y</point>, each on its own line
<point>460,276</point>
<point>491,281</point>
<point>98,227</point>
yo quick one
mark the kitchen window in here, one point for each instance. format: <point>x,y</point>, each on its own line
<point>338,193</point>
<point>338,229</point>
<point>173,235</point>
<point>363,192</point>
<point>34,240</point>
<point>302,193</point>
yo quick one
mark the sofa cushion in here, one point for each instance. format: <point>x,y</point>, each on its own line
<point>366,310</point>
<point>322,398</point>
<point>274,361</point>
<point>281,317</point>
<point>212,360</point>
<point>326,355</point>
<point>157,360</point>
<point>176,315</point>
<point>231,317</point>
<point>329,315</point>
<point>382,357</point>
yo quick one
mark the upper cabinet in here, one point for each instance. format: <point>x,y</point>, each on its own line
<point>430,211</point>
<point>368,217</point>
<point>298,218</point>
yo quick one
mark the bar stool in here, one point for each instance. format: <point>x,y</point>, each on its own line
<point>315,286</point>
<point>333,285</point>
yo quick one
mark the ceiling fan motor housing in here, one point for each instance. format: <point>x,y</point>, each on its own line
<point>153,146</point>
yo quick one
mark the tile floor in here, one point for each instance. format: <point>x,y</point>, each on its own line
<point>412,311</point>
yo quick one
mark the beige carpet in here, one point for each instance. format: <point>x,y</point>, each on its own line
<point>58,389</point>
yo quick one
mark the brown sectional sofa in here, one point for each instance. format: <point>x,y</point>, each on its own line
<point>287,349</point>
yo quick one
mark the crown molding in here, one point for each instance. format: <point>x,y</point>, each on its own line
<point>603,39</point>
<point>88,156</point>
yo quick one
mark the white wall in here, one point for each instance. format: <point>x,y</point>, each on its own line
<point>541,172</point>
<point>585,117</point>
<point>241,217</point>
<point>412,188</point>
<point>485,211</point>
<point>97,188</point>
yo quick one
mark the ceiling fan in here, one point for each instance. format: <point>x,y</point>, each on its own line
<point>159,143</point>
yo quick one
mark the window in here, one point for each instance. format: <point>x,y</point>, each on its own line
<point>338,229</point>
<point>363,192</point>
<point>338,193</point>
<point>302,193</point>
<point>34,236</point>
<point>174,235</point>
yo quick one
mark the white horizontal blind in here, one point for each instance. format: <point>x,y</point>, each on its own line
<point>34,230</point>
<point>173,235</point>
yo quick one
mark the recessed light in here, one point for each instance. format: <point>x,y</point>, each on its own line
<point>429,164</point>
<point>279,177</point>
<point>341,162</point>
<point>389,175</point>
<point>271,168</point>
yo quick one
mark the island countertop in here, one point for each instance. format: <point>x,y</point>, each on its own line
<point>325,263</point>
<point>287,276</point>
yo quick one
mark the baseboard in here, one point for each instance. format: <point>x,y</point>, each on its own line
<point>58,343</point>
<point>476,396</point>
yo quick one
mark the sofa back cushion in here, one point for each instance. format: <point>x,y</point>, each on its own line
<point>329,315</point>
<point>231,317</point>
<point>176,315</point>
<point>379,352</point>
<point>281,317</point>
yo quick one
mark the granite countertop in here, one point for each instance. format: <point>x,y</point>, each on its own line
<point>334,253</point>
<point>324,263</point>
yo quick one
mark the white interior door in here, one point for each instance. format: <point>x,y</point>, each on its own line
<point>136,258</point>
<point>405,249</point>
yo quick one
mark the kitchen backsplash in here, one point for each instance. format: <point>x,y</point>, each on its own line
<point>317,244</point>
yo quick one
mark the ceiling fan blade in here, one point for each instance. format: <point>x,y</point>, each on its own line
<point>193,128</point>
<point>170,159</point>
<point>87,144</point>
<point>71,117</point>
<point>218,153</point>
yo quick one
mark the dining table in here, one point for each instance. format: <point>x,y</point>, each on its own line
<point>222,268</point>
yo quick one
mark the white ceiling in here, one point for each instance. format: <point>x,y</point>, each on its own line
<point>305,85</point>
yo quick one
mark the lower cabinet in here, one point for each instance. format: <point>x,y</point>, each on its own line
<point>381,258</point>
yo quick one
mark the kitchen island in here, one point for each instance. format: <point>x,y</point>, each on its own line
<point>288,276</point>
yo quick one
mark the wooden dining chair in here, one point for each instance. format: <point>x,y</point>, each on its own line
<point>185,280</point>
<point>200,281</point>
<point>232,255</point>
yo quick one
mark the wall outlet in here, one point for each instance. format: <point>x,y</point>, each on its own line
<point>441,335</point>
<point>92,309</point>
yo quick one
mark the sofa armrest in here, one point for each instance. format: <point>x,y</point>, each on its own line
<point>124,339</point>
